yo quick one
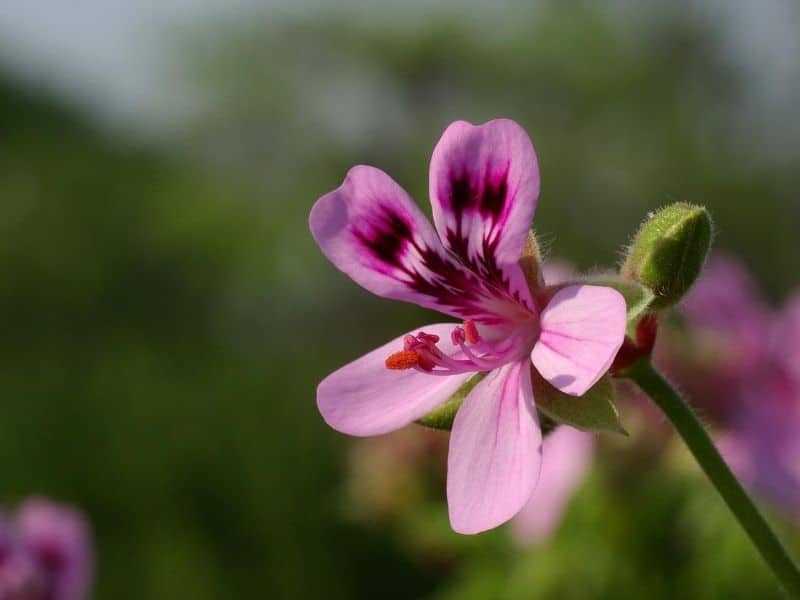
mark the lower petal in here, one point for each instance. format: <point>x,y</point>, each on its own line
<point>566,458</point>
<point>582,328</point>
<point>495,451</point>
<point>365,398</point>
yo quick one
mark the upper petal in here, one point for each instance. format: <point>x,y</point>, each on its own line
<point>566,458</point>
<point>365,398</point>
<point>373,231</point>
<point>484,184</point>
<point>495,451</point>
<point>582,328</point>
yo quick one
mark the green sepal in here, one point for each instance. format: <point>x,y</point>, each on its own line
<point>443,416</point>
<point>595,411</point>
<point>669,251</point>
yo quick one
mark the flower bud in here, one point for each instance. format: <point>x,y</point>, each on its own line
<point>669,251</point>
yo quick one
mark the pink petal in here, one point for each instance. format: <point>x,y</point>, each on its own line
<point>365,398</point>
<point>484,184</point>
<point>566,458</point>
<point>495,451</point>
<point>582,328</point>
<point>373,231</point>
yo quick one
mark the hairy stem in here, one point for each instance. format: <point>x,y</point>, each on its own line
<point>699,443</point>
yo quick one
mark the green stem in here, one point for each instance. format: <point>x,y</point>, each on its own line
<point>697,439</point>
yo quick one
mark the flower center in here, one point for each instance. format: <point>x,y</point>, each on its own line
<point>421,351</point>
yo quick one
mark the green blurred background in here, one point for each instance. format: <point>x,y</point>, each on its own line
<point>166,316</point>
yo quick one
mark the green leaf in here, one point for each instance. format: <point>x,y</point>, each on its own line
<point>594,411</point>
<point>442,417</point>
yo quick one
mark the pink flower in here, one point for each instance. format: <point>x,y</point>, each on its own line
<point>484,183</point>
<point>763,442</point>
<point>726,307</point>
<point>45,553</point>
<point>566,458</point>
<point>746,376</point>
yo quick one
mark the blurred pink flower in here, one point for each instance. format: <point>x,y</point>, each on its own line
<point>726,307</point>
<point>484,183</point>
<point>566,459</point>
<point>764,440</point>
<point>746,376</point>
<point>45,553</point>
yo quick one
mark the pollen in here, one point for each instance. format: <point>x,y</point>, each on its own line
<point>405,359</point>
<point>471,332</point>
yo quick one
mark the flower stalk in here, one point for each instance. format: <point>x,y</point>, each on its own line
<point>689,427</point>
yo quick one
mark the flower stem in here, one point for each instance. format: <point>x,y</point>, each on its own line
<point>697,439</point>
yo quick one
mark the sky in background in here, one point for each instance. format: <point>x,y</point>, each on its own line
<point>118,57</point>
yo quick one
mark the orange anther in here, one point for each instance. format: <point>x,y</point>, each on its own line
<point>405,359</point>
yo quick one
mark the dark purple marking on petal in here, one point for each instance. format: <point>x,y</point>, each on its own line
<point>386,237</point>
<point>462,194</point>
<point>495,194</point>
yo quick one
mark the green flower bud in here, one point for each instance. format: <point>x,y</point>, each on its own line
<point>669,251</point>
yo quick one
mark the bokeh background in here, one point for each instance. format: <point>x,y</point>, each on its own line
<point>165,315</point>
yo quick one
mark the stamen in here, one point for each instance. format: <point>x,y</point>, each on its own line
<point>410,342</point>
<point>405,359</point>
<point>426,359</point>
<point>428,338</point>
<point>478,360</point>
<point>471,332</point>
<point>421,353</point>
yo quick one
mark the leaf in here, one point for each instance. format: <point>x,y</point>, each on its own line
<point>594,411</point>
<point>442,417</point>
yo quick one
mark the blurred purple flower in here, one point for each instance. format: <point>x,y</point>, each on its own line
<point>484,184</point>
<point>741,363</point>
<point>726,307</point>
<point>764,441</point>
<point>566,459</point>
<point>45,554</point>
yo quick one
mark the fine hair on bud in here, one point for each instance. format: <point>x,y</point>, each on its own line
<point>669,251</point>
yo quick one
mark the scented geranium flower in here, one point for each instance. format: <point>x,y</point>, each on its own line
<point>484,183</point>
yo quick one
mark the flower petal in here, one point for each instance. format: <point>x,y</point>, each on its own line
<point>373,231</point>
<point>582,328</point>
<point>566,458</point>
<point>484,184</point>
<point>495,451</point>
<point>365,398</point>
